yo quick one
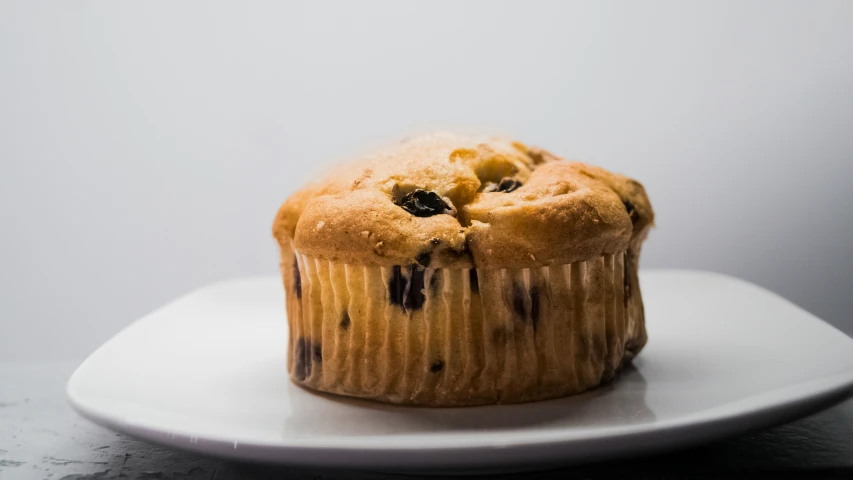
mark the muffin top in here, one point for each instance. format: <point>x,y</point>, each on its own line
<point>450,201</point>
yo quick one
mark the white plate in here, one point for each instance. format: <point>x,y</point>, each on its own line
<point>207,373</point>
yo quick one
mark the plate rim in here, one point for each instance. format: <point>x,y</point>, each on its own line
<point>676,433</point>
<point>763,409</point>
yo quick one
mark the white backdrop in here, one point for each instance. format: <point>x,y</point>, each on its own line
<point>146,146</point>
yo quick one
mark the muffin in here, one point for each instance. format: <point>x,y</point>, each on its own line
<point>459,271</point>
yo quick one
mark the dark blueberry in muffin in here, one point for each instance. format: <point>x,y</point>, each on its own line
<point>474,280</point>
<point>406,291</point>
<point>302,359</point>
<point>423,259</point>
<point>632,211</point>
<point>534,306</point>
<point>297,279</point>
<point>423,203</point>
<point>508,185</point>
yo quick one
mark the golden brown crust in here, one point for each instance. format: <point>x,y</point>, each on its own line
<point>563,212</point>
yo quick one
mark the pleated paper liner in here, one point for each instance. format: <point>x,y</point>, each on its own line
<point>459,337</point>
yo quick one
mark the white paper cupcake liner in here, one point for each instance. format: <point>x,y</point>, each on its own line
<point>459,337</point>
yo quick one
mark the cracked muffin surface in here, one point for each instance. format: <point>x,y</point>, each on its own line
<point>505,205</point>
<point>454,271</point>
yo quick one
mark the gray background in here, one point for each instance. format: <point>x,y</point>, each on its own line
<point>146,146</point>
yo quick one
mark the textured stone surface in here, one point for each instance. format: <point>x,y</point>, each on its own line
<point>42,438</point>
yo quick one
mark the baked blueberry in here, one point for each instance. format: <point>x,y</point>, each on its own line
<point>302,359</point>
<point>508,185</point>
<point>473,280</point>
<point>406,288</point>
<point>518,301</point>
<point>424,203</point>
<point>424,258</point>
<point>397,286</point>
<point>632,211</point>
<point>297,279</point>
<point>534,306</point>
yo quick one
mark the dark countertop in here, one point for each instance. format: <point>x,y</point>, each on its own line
<point>41,437</point>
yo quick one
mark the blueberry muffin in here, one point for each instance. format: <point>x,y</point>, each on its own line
<point>457,271</point>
